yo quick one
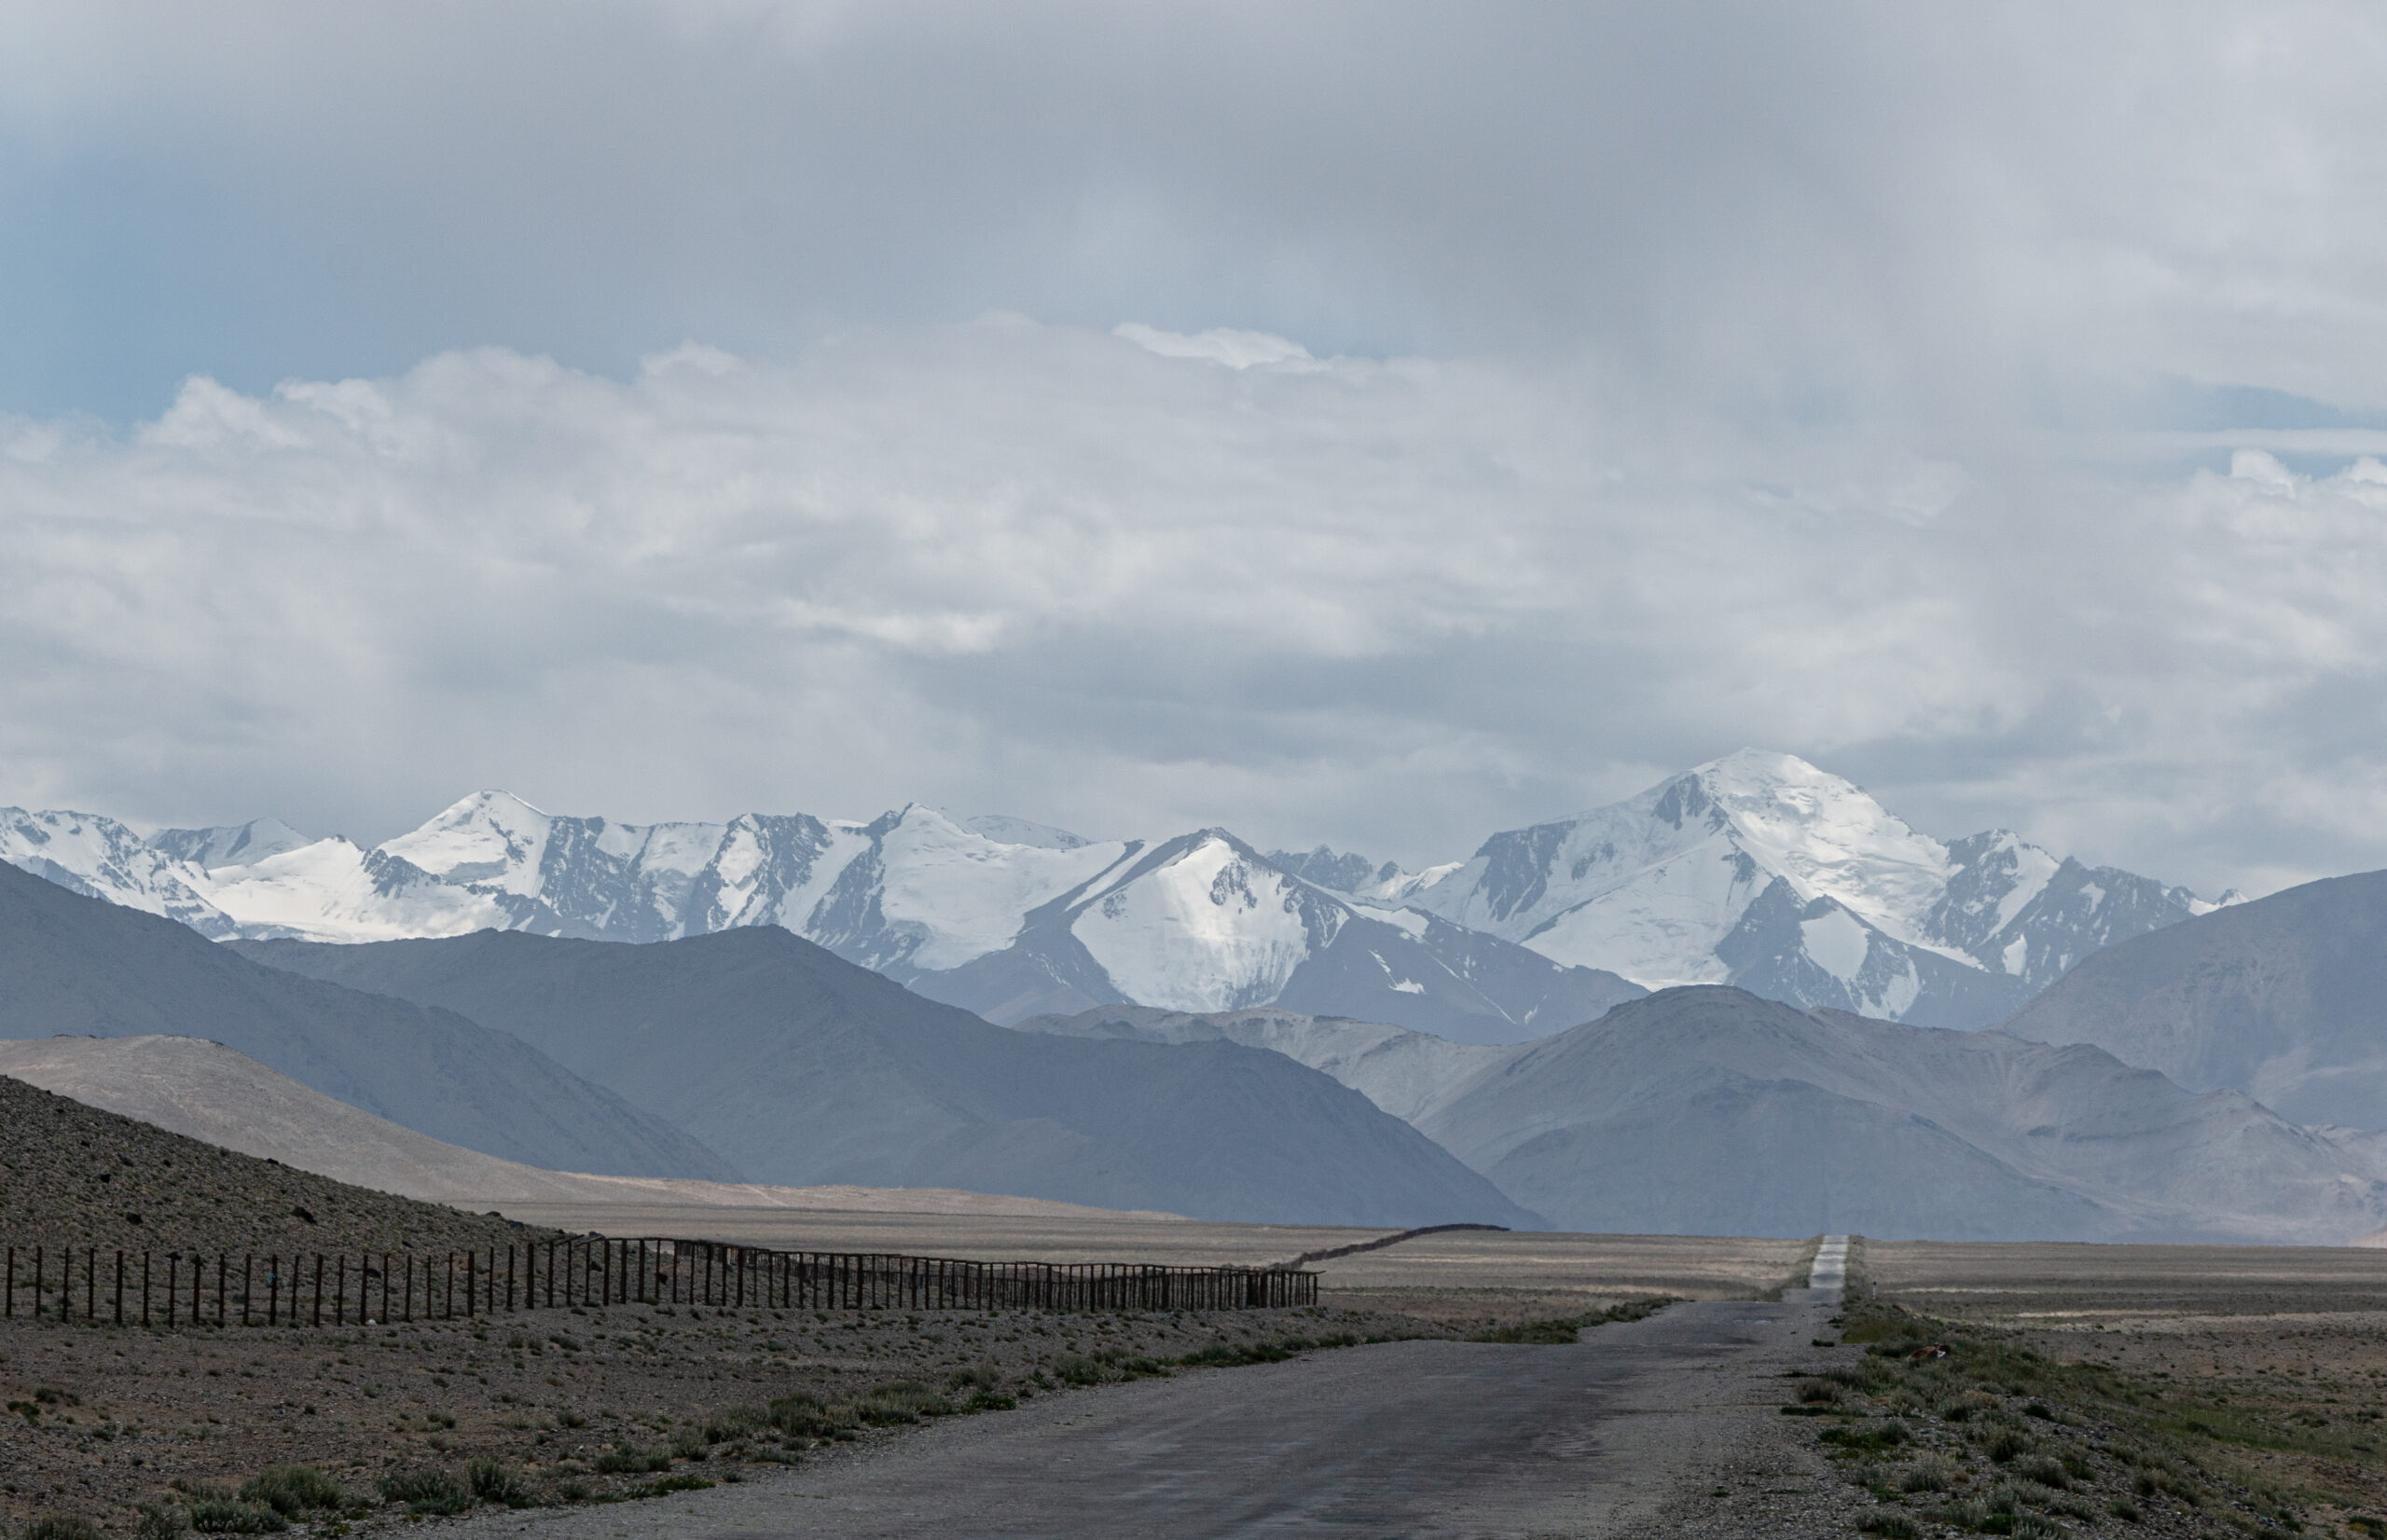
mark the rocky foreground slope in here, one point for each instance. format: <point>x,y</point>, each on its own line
<point>72,1175</point>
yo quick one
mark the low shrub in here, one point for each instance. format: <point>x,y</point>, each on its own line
<point>736,1423</point>
<point>1561,1331</point>
<point>62,1527</point>
<point>1968,1406</point>
<point>627,1459</point>
<point>291,1491</point>
<point>216,1511</point>
<point>1890,1435</point>
<point>2007,1443</point>
<point>2046,1472</point>
<point>428,1491</point>
<point>904,1402</point>
<point>1889,1525</point>
<point>1930,1473</point>
<point>160,1521</point>
<point>492,1482</point>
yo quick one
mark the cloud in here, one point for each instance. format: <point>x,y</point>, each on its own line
<point>1928,214</point>
<point>1372,423</point>
<point>1007,566</point>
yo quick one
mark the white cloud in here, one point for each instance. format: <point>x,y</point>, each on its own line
<point>1058,574</point>
<point>1219,345</point>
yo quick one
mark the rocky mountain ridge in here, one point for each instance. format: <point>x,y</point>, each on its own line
<point>1761,871</point>
<point>1757,870</point>
<point>1704,1109</point>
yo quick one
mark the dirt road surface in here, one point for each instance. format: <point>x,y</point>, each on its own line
<point>1669,1426</point>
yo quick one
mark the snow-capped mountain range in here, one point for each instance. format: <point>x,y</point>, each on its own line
<point>997,914</point>
<point>1757,869</point>
<point>1761,871</point>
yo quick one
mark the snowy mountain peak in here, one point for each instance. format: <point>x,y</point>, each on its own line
<point>1764,871</point>
<point>229,844</point>
<point>1825,834</point>
<point>1758,869</point>
<point>485,835</point>
<point>1005,830</point>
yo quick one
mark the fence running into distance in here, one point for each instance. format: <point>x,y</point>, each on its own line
<point>179,1289</point>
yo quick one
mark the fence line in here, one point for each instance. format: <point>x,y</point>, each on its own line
<point>178,1288</point>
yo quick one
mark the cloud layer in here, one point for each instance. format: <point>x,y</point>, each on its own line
<point>1136,582</point>
<point>1432,419</point>
<point>1930,215</point>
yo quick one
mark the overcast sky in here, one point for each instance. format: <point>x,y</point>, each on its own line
<point>1371,424</point>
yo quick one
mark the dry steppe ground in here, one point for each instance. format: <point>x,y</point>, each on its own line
<point>1454,1272</point>
<point>548,1396</point>
<point>2259,1371</point>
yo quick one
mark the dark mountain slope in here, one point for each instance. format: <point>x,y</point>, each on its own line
<point>2283,998</point>
<point>805,1068</point>
<point>1709,1111</point>
<point>70,964</point>
<point>72,1175</point>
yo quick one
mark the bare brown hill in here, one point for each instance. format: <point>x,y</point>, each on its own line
<point>72,1175</point>
<point>212,1093</point>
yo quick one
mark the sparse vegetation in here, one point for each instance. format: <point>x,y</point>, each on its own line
<point>1963,1427</point>
<point>1561,1330</point>
<point>216,1511</point>
<point>58,1527</point>
<point>429,1492</point>
<point>292,1491</point>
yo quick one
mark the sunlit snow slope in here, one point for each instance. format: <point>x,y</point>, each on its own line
<point>1762,871</point>
<point>1757,869</point>
<point>998,915</point>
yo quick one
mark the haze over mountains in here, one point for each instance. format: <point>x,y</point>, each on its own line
<point>1757,869</point>
<point>205,1091</point>
<point>1706,1110</point>
<point>2283,998</point>
<point>802,1068</point>
<point>812,1069</point>
<point>751,1053</point>
<point>70,964</point>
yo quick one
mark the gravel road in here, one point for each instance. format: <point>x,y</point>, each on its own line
<point>1665,1426</point>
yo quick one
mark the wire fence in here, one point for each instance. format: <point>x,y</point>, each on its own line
<point>245,1288</point>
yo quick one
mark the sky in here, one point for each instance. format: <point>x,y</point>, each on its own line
<point>1373,425</point>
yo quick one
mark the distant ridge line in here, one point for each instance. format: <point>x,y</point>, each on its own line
<point>1379,1243</point>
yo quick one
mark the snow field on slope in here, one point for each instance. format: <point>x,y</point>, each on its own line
<point>489,836</point>
<point>1167,941</point>
<point>1828,837</point>
<point>970,893</point>
<point>322,892</point>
